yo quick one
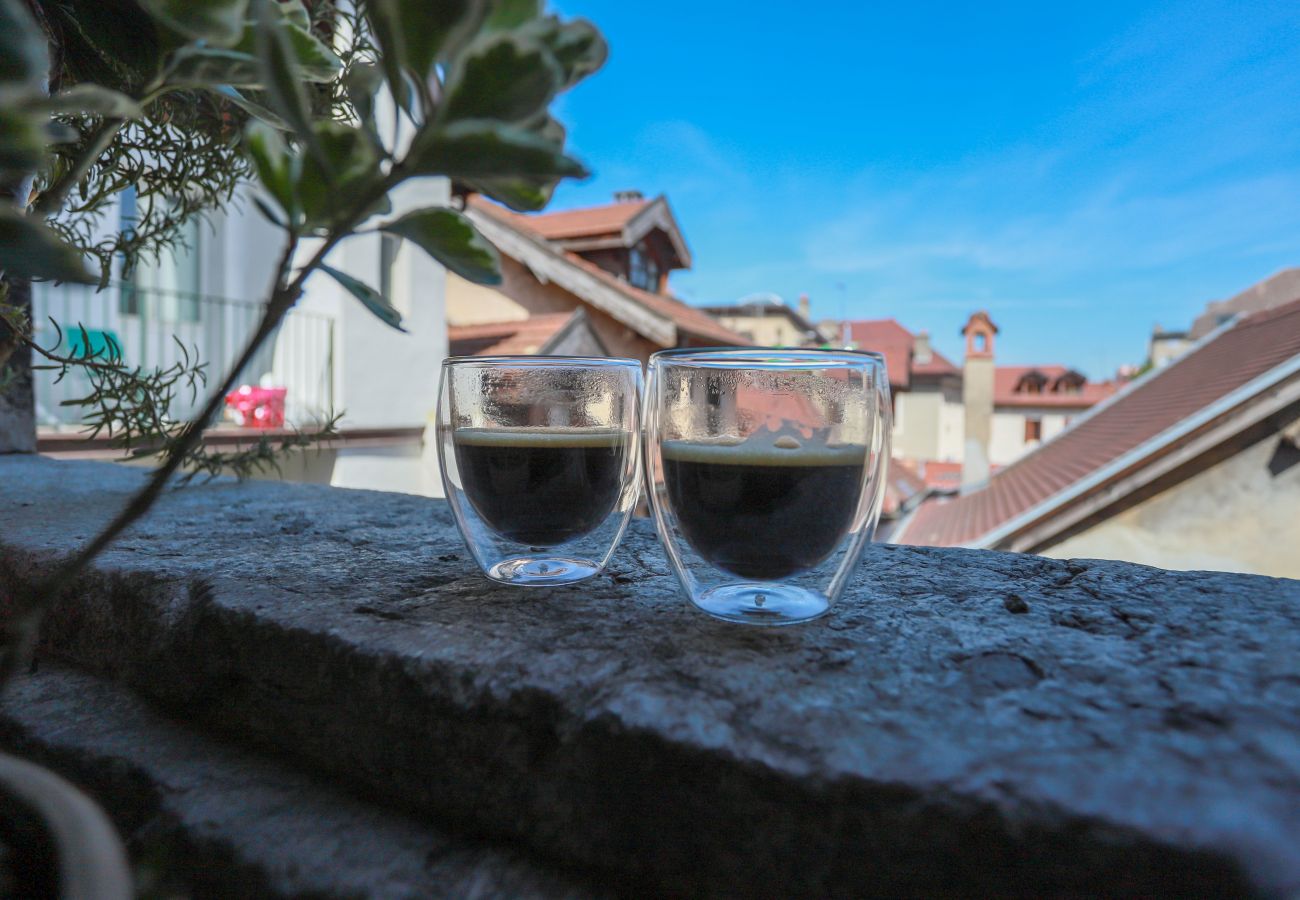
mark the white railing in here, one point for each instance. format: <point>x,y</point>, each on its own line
<point>145,324</point>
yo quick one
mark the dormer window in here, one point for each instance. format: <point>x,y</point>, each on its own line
<point>642,270</point>
<point>1031,382</point>
<point>1069,383</point>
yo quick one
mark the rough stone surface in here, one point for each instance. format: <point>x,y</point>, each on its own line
<point>1110,728</point>
<point>228,823</point>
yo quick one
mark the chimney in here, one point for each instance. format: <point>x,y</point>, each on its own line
<point>805,307</point>
<point>921,351</point>
<point>628,196</point>
<point>977,399</point>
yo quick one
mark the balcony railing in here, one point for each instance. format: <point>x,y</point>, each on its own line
<point>145,324</point>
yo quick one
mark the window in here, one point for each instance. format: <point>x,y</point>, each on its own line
<point>1032,382</point>
<point>165,288</point>
<point>981,343</point>
<point>129,302</point>
<point>642,270</point>
<point>1033,430</point>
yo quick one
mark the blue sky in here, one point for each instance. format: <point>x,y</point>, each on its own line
<point>1082,170</point>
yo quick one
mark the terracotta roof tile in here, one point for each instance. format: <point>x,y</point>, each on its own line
<point>589,221</point>
<point>887,336</point>
<point>1005,379</point>
<point>901,485</point>
<point>938,364</point>
<point>695,322</point>
<point>1140,412</point>
<point>890,338</point>
<point>511,338</point>
<point>1279,288</point>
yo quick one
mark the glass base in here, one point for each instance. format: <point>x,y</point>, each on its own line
<point>756,603</point>
<point>542,571</point>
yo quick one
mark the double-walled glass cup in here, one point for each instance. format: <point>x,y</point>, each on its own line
<point>765,470</point>
<point>540,458</point>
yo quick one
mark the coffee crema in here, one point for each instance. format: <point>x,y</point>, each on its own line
<point>763,512</point>
<point>542,486</point>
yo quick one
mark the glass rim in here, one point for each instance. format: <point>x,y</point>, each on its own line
<point>525,361</point>
<point>767,357</point>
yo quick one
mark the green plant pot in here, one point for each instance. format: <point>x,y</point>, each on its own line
<point>55,841</point>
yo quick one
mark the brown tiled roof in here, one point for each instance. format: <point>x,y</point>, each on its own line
<point>590,221</point>
<point>890,338</point>
<point>887,336</point>
<point>1279,288</point>
<point>940,474</point>
<point>515,337</point>
<point>1005,379</point>
<point>938,364</point>
<point>695,322</point>
<point>1137,414</point>
<point>901,485</point>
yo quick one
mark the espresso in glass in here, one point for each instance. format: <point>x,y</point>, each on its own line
<point>539,458</point>
<point>542,487</point>
<point>764,470</point>
<point>763,512</point>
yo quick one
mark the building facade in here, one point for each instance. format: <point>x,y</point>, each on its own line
<point>330,356</point>
<point>979,416</point>
<point>611,263</point>
<point>769,321</point>
<point>1194,465</point>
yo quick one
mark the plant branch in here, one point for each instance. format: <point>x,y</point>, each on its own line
<point>285,292</point>
<point>51,199</point>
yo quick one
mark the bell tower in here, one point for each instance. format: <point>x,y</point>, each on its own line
<point>977,399</point>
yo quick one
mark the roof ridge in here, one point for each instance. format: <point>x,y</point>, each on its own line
<point>1266,315</point>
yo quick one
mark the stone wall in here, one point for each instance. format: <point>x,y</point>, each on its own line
<point>966,723</point>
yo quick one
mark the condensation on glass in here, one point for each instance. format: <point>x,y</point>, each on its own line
<point>765,470</point>
<point>540,461</point>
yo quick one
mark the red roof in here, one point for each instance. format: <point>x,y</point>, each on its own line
<point>590,221</point>
<point>1279,288</point>
<point>692,321</point>
<point>939,475</point>
<point>937,364</point>
<point>888,337</point>
<point>1137,414</point>
<point>901,485</point>
<point>567,224</point>
<point>1005,379</point>
<point>512,338</point>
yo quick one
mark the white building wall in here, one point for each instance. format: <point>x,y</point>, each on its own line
<point>384,378</point>
<point>929,423</point>
<point>1237,516</point>
<point>381,378</point>
<point>916,424</point>
<point>238,252</point>
<point>1007,437</point>
<point>1053,424</point>
<point>952,427</point>
<point>1008,441</point>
